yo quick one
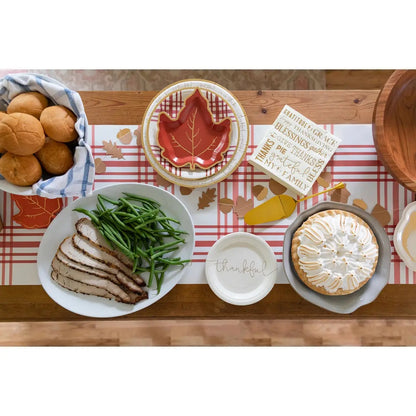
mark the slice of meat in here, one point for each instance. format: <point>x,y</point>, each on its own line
<point>98,253</point>
<point>69,250</point>
<point>78,266</point>
<point>125,296</point>
<point>79,287</point>
<point>87,229</point>
<point>74,253</point>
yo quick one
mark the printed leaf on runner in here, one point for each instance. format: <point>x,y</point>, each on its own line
<point>112,150</point>
<point>242,206</point>
<point>206,198</point>
<point>36,211</point>
<point>381,215</point>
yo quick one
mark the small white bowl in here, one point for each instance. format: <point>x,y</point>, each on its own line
<point>241,268</point>
<point>405,236</point>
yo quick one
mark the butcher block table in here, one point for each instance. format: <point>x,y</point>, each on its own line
<point>20,302</point>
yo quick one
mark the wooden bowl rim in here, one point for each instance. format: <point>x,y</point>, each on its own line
<point>383,100</point>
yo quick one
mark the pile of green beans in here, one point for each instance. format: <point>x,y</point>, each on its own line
<point>141,230</point>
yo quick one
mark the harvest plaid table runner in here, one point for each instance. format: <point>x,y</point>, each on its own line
<point>354,163</point>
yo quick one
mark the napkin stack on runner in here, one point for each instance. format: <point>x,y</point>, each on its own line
<point>78,181</point>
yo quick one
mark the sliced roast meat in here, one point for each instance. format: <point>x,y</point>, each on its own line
<point>106,257</point>
<point>93,280</point>
<point>78,266</point>
<point>79,287</point>
<point>119,278</point>
<point>74,253</point>
<point>77,255</point>
<point>87,229</point>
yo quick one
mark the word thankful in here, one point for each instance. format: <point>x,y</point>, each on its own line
<point>248,267</point>
<point>294,151</point>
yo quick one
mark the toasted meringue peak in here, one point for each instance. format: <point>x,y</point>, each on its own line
<point>306,250</point>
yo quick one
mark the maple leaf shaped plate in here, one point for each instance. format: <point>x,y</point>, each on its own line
<point>222,105</point>
<point>193,138</point>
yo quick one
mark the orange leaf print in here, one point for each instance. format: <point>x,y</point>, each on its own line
<point>381,215</point>
<point>193,138</point>
<point>112,150</point>
<point>340,195</point>
<point>36,211</point>
<point>206,198</point>
<point>242,206</point>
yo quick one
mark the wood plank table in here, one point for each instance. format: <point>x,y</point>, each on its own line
<point>197,301</point>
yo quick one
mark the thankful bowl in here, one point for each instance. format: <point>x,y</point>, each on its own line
<point>78,180</point>
<point>394,127</point>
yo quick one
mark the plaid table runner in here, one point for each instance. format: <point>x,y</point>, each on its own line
<point>354,163</point>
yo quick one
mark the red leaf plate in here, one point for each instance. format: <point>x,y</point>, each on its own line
<point>193,138</point>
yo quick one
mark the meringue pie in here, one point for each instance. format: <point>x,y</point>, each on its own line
<point>334,252</point>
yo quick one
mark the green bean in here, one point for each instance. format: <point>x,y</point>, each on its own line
<point>168,219</point>
<point>106,198</point>
<point>89,213</point>
<point>122,247</point>
<point>127,204</point>
<point>167,245</point>
<point>152,272</point>
<point>141,199</point>
<point>173,262</point>
<point>100,203</point>
<point>160,281</point>
<point>141,230</point>
<point>162,253</point>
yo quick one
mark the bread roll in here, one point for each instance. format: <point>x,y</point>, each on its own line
<point>20,170</point>
<point>59,123</point>
<point>32,103</point>
<point>2,114</point>
<point>55,157</point>
<point>21,134</point>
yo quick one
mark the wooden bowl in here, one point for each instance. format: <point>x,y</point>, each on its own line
<point>394,127</point>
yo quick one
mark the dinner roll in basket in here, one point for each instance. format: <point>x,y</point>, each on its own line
<point>55,157</point>
<point>59,123</point>
<point>32,103</point>
<point>20,170</point>
<point>21,134</point>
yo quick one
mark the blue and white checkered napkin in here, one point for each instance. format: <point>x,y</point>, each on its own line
<point>79,179</point>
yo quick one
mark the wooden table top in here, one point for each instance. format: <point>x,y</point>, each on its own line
<point>197,301</point>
